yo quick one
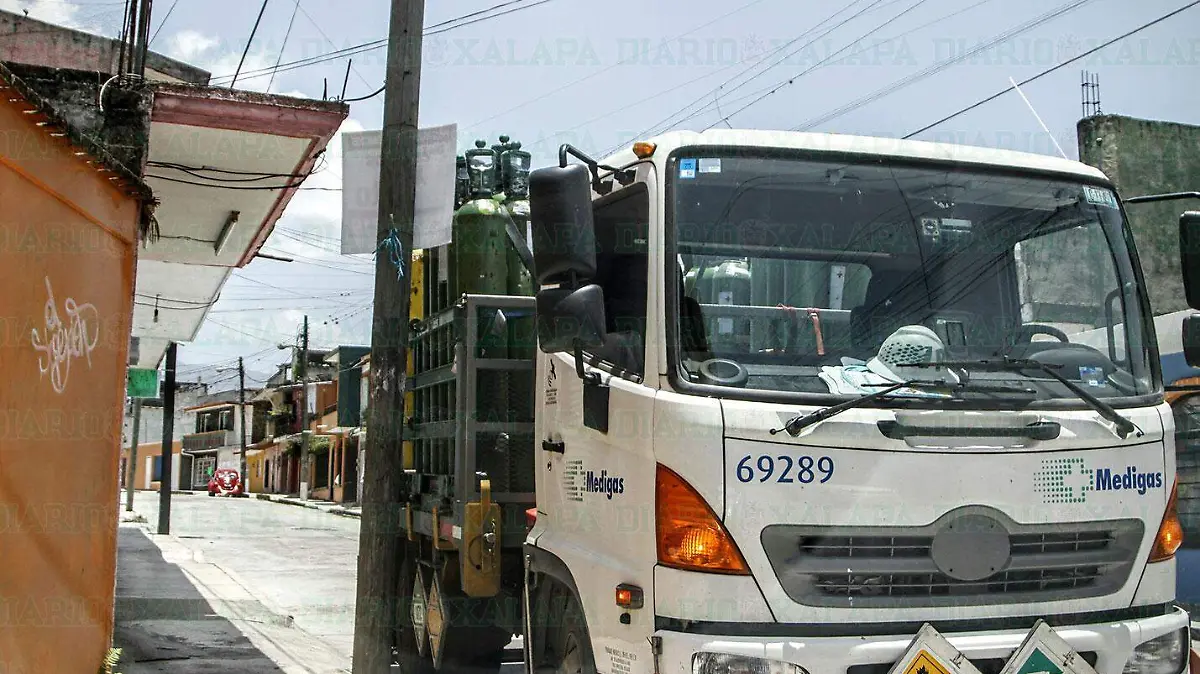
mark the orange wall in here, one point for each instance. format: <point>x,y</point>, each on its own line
<point>150,449</point>
<point>66,230</point>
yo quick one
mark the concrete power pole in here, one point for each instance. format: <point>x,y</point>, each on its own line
<point>380,551</point>
<point>168,444</point>
<point>133,457</point>
<point>302,375</point>
<point>242,412</point>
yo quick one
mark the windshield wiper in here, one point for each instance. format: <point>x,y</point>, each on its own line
<point>1019,365</point>
<point>800,422</point>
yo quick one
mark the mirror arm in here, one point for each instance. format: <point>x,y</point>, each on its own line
<point>587,377</point>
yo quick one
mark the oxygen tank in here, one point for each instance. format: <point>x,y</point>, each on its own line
<point>729,285</point>
<point>478,233</point>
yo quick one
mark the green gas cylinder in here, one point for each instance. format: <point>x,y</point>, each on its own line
<point>728,284</point>
<point>478,233</point>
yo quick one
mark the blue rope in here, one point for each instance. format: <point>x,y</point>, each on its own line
<point>395,250</point>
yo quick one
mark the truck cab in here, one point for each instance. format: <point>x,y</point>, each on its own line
<point>797,395</point>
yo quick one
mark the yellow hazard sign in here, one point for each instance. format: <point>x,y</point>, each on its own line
<point>925,663</point>
<point>930,653</point>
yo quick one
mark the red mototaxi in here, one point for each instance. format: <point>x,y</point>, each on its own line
<point>225,482</point>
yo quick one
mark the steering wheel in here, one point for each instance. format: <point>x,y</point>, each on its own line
<point>723,372</point>
<point>1026,332</point>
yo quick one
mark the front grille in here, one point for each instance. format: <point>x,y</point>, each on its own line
<point>939,584</point>
<point>894,567</point>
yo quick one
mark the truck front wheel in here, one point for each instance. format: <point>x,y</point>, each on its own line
<point>567,647</point>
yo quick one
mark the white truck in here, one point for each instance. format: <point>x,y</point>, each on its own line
<point>794,397</point>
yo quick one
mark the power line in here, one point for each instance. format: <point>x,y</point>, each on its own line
<point>778,85</point>
<point>942,65</point>
<point>377,44</point>
<point>1057,67</point>
<point>803,35</point>
<point>820,63</point>
<point>161,23</point>
<point>283,46</point>
<point>243,187</point>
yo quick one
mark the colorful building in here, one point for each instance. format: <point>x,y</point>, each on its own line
<point>72,220</point>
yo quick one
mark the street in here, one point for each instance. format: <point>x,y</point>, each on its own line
<point>284,576</point>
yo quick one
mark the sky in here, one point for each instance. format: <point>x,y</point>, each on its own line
<point>599,76</point>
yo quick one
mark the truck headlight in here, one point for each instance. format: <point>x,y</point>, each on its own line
<point>1164,655</point>
<point>722,663</point>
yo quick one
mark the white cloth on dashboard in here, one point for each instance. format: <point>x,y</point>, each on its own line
<point>853,377</point>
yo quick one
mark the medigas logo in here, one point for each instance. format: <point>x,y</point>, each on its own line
<point>1071,480</point>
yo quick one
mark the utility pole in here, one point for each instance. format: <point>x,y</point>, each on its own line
<point>168,444</point>
<point>379,548</point>
<point>242,411</point>
<point>302,375</point>
<point>133,457</point>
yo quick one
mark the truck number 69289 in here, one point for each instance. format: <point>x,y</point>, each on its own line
<point>785,469</point>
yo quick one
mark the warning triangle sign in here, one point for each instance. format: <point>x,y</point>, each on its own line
<point>1045,652</point>
<point>930,653</point>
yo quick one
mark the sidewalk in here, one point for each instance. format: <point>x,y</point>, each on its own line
<point>323,506</point>
<point>177,613</point>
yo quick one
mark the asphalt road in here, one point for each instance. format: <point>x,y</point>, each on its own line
<point>296,565</point>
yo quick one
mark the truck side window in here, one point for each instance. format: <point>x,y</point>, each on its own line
<point>622,221</point>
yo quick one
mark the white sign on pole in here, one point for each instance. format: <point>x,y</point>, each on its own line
<point>436,170</point>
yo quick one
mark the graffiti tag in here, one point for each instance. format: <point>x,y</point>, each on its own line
<point>64,341</point>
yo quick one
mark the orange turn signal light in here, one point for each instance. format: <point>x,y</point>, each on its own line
<point>643,149</point>
<point>690,537</point>
<point>1170,532</point>
<point>630,596</point>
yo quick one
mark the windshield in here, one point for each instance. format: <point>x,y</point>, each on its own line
<point>801,276</point>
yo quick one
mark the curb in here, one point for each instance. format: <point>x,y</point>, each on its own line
<point>332,510</point>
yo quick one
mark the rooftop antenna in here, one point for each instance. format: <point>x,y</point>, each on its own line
<point>1038,118</point>
<point>1090,84</point>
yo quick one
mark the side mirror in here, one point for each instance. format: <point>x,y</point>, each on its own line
<point>568,319</point>
<point>560,212</point>
<point>1189,256</point>
<point>1191,340</point>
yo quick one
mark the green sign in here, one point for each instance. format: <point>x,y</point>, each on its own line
<point>142,383</point>
<point>1038,663</point>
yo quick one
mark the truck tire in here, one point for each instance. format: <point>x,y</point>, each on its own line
<point>568,647</point>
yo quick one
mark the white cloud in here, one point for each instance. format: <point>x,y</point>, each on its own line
<point>187,45</point>
<point>51,11</point>
<point>219,57</point>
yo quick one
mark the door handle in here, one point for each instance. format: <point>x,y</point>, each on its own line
<point>551,446</point>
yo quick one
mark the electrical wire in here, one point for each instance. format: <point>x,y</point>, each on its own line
<point>942,65</point>
<point>372,45</point>
<point>778,85</point>
<point>585,78</point>
<point>818,64</point>
<point>283,46</point>
<point>272,188</point>
<point>803,35</point>
<point>214,169</point>
<point>161,23</point>
<point>1054,68</point>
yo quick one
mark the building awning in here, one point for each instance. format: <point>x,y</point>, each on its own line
<point>224,165</point>
<point>209,406</point>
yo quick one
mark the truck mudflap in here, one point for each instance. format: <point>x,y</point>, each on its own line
<point>1042,652</point>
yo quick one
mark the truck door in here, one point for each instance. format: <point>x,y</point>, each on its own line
<point>596,469</point>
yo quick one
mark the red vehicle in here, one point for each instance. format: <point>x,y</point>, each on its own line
<point>225,482</point>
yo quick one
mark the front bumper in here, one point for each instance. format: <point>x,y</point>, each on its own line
<point>1112,644</point>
